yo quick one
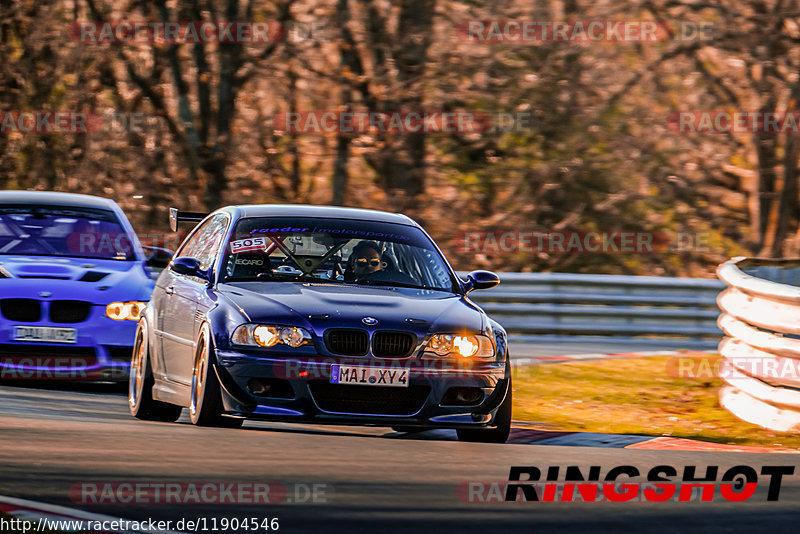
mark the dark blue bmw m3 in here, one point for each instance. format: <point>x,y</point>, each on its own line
<point>324,315</point>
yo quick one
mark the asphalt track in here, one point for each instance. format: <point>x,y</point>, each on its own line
<point>376,480</point>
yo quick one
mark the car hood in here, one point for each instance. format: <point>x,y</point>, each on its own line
<point>96,280</point>
<point>321,306</point>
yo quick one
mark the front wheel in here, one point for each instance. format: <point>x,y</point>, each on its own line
<point>140,385</point>
<point>205,408</point>
<point>498,433</point>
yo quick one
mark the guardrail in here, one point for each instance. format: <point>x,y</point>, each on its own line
<point>761,350</point>
<point>557,307</point>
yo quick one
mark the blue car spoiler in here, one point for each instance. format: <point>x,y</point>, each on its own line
<point>176,217</point>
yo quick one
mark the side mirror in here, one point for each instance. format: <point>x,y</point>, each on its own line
<point>157,257</point>
<point>481,280</point>
<point>188,266</point>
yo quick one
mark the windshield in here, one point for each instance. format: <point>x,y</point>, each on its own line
<point>63,231</point>
<point>334,251</point>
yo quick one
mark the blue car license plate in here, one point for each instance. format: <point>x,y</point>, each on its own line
<point>45,333</point>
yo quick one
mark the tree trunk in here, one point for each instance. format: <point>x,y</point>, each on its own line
<point>340,176</point>
<point>786,217</point>
<point>765,146</point>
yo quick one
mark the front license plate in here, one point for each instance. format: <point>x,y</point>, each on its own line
<point>368,376</point>
<point>45,333</point>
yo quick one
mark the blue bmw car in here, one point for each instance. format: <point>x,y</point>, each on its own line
<point>74,281</point>
<point>323,315</point>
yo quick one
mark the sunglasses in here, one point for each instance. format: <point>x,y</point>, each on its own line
<point>363,262</point>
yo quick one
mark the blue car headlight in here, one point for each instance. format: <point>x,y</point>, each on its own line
<point>476,347</point>
<point>264,335</point>
<point>122,311</point>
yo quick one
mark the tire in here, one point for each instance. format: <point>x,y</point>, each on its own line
<point>498,433</point>
<point>205,407</point>
<point>140,385</point>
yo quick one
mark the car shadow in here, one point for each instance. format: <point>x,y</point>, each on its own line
<point>524,433</point>
<point>439,434</point>
<point>340,430</point>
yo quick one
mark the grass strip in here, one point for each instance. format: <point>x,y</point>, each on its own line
<point>676,396</point>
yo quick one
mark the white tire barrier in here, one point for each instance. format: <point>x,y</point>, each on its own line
<point>761,348</point>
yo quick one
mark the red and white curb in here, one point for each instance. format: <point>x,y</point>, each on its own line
<point>35,512</point>
<point>529,436</point>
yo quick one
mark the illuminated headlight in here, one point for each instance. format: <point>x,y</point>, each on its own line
<point>454,345</point>
<point>122,311</point>
<point>264,335</point>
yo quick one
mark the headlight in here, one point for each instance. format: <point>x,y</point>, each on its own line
<point>264,335</point>
<point>460,346</point>
<point>121,311</point>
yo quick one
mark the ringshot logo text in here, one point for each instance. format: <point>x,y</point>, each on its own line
<point>623,483</point>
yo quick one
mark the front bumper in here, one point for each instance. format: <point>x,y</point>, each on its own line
<point>101,352</point>
<point>305,394</point>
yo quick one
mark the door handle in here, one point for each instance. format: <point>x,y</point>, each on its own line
<point>170,290</point>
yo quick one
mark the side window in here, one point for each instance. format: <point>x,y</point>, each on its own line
<point>203,244</point>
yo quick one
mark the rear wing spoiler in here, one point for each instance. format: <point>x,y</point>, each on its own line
<point>176,217</point>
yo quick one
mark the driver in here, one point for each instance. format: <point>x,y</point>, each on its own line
<point>366,258</point>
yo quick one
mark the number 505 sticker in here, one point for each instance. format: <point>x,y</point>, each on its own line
<point>252,243</point>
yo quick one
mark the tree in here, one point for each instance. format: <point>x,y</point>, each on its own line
<point>751,65</point>
<point>206,79</point>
